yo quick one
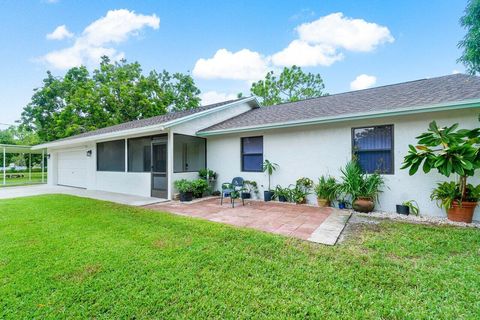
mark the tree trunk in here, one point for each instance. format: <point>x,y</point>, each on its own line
<point>463,186</point>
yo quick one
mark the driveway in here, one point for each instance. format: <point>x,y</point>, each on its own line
<point>35,190</point>
<point>321,225</point>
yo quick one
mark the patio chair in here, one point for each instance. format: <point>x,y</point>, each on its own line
<point>232,189</point>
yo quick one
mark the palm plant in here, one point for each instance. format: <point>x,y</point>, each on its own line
<point>269,168</point>
<point>358,185</point>
<point>327,188</point>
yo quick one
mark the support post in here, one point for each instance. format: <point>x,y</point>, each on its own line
<point>30,167</point>
<point>4,168</point>
<point>43,166</point>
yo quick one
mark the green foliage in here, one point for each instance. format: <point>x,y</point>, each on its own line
<point>413,206</point>
<point>327,188</point>
<point>471,42</point>
<point>203,173</point>
<point>269,168</point>
<point>447,192</point>
<point>292,85</point>
<point>447,150</point>
<point>114,93</point>
<point>250,186</point>
<point>282,192</point>
<point>357,184</point>
<point>183,186</point>
<point>199,186</point>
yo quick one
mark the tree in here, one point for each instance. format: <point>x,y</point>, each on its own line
<point>114,93</point>
<point>471,42</point>
<point>292,85</point>
<point>447,150</point>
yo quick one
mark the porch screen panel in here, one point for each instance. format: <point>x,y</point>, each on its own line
<point>252,154</point>
<point>189,153</point>
<point>373,148</point>
<point>111,156</point>
<point>139,154</point>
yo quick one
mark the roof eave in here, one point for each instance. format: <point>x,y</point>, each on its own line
<point>465,104</point>
<point>147,129</point>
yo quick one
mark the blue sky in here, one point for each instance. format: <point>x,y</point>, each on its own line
<point>228,44</point>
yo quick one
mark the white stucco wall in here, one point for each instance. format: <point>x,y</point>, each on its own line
<point>323,149</point>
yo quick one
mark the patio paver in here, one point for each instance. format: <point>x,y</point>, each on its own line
<point>297,221</point>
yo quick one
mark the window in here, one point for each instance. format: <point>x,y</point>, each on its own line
<point>111,156</point>
<point>373,147</point>
<point>189,153</point>
<point>252,154</point>
<point>139,154</point>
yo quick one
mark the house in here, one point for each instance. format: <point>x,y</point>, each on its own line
<point>305,138</point>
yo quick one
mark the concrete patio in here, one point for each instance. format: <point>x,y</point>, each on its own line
<point>35,190</point>
<point>299,221</point>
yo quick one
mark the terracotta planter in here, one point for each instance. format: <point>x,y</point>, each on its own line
<point>323,202</point>
<point>363,205</point>
<point>461,213</point>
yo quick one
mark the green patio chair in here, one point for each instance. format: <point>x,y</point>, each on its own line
<point>233,190</point>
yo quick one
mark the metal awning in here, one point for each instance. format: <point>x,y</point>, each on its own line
<point>11,148</point>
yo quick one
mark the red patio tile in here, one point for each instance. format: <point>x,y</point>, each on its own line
<point>291,220</point>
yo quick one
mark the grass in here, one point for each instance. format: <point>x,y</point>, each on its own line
<point>36,178</point>
<point>68,257</point>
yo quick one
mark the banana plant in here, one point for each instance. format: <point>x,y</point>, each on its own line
<point>447,150</point>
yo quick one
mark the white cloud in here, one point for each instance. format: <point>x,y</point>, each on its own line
<point>320,43</point>
<point>303,54</point>
<point>60,33</point>
<point>343,32</point>
<point>99,37</point>
<point>363,81</point>
<point>210,97</point>
<point>241,65</point>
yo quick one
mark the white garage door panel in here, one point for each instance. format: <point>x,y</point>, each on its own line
<point>72,168</point>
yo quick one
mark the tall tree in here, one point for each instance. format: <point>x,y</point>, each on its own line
<point>471,42</point>
<point>292,85</point>
<point>113,93</point>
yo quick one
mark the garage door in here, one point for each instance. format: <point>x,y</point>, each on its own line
<point>72,168</point>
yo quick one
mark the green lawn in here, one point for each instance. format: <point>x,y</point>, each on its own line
<point>36,178</point>
<point>68,257</point>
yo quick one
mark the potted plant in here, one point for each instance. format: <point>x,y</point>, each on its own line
<point>343,203</point>
<point>207,174</point>
<point>199,186</point>
<point>269,168</point>
<point>407,207</point>
<point>185,188</point>
<point>326,190</point>
<point>450,151</point>
<point>362,188</point>
<point>282,194</point>
<point>447,193</point>
<point>249,186</point>
<point>301,190</point>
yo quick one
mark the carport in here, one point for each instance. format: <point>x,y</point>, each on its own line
<point>24,176</point>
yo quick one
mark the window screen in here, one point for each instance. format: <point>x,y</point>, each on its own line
<point>189,153</point>
<point>139,154</point>
<point>373,148</point>
<point>111,156</point>
<point>252,154</point>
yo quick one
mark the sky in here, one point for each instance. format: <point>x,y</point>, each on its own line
<point>227,45</point>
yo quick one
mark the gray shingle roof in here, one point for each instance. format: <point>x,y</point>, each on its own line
<point>149,121</point>
<point>417,93</point>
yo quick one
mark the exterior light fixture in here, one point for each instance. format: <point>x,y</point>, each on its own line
<point>48,156</point>
<point>89,153</point>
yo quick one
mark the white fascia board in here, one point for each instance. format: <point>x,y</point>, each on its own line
<point>98,137</point>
